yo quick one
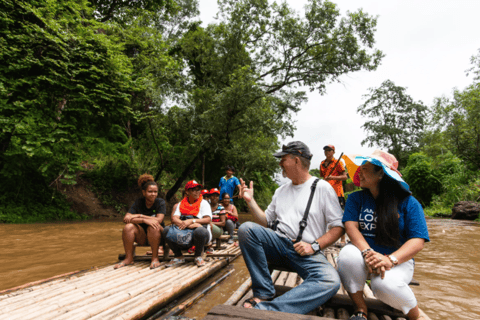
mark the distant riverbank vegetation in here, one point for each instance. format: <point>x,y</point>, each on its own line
<point>112,89</point>
<point>438,146</point>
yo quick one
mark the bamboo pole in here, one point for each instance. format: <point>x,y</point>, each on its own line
<point>187,304</point>
<point>34,283</point>
<point>239,292</point>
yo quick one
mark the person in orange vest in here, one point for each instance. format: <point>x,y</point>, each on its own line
<point>334,176</point>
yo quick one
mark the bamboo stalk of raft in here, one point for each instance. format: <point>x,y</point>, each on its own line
<point>47,283</point>
<point>51,290</point>
<point>72,285</point>
<point>84,284</point>
<point>80,302</point>
<point>84,298</point>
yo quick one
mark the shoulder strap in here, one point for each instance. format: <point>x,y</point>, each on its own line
<point>303,223</point>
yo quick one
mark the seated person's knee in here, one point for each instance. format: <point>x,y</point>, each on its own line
<point>200,232</point>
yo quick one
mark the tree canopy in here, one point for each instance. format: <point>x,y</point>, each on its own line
<point>395,121</point>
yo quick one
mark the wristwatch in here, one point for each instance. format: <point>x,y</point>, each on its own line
<point>315,246</point>
<point>393,259</point>
<point>193,221</point>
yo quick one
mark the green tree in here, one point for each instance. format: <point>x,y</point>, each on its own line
<point>457,122</point>
<point>422,177</point>
<point>395,121</point>
<point>243,74</point>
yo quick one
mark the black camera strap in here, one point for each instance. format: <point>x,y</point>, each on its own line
<point>303,223</point>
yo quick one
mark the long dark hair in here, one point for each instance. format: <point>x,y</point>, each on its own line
<point>390,195</point>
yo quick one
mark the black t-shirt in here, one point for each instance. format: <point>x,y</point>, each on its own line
<point>140,207</point>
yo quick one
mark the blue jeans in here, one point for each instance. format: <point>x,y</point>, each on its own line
<point>259,245</point>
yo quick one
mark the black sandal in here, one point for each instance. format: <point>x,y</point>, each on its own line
<point>359,315</point>
<point>252,302</point>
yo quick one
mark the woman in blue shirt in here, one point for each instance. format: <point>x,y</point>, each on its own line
<point>386,227</point>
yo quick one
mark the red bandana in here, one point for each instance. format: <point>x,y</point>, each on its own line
<point>187,209</point>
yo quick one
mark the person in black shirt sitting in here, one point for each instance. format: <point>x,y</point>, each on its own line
<point>144,222</point>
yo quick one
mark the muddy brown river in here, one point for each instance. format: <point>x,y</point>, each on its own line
<point>448,268</point>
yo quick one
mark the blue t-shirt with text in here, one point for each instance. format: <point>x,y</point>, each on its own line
<point>228,186</point>
<point>360,207</point>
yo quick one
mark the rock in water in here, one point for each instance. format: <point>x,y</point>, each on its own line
<point>466,210</point>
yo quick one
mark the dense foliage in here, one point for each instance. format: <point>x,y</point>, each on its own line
<point>138,86</point>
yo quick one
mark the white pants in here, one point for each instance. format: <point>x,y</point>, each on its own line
<point>392,290</point>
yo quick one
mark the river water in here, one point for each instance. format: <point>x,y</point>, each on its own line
<point>448,268</point>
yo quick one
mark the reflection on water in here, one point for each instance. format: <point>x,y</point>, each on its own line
<point>448,268</point>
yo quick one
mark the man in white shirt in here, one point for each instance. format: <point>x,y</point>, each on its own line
<point>260,244</point>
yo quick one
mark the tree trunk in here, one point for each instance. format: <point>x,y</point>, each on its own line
<point>188,170</point>
<point>4,144</point>
<point>203,170</point>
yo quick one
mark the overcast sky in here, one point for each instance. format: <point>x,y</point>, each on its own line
<point>427,46</point>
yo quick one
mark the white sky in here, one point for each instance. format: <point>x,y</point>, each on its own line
<point>427,46</point>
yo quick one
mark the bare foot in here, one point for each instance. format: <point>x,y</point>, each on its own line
<point>122,264</point>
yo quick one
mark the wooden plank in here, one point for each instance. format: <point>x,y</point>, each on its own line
<point>291,280</point>
<point>282,278</point>
<point>232,312</point>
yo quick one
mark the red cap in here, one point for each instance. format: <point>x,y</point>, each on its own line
<point>331,146</point>
<point>192,184</point>
<point>214,190</point>
<point>204,191</point>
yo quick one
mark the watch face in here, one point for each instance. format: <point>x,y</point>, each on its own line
<point>315,246</point>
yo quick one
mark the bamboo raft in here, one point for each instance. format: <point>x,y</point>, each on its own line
<point>338,307</point>
<point>131,292</point>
